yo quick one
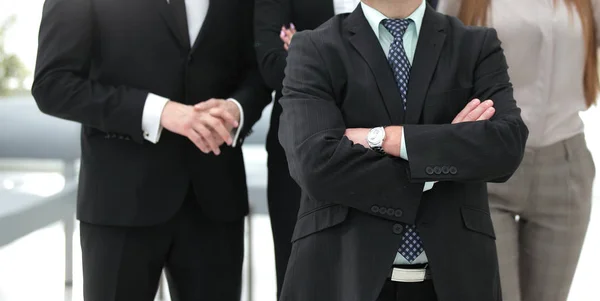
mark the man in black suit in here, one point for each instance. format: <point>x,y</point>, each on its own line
<point>392,153</point>
<point>283,194</point>
<point>125,70</point>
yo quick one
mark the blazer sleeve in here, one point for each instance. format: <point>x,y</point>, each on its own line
<point>482,151</point>
<point>252,93</point>
<point>269,16</point>
<point>62,87</point>
<point>325,163</point>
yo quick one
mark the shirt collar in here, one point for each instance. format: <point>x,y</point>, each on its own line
<point>374,17</point>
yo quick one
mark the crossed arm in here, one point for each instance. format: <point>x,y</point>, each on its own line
<point>331,168</point>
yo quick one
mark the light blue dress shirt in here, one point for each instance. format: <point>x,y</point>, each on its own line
<point>410,39</point>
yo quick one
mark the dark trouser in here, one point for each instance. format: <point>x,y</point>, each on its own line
<point>284,200</point>
<point>203,259</point>
<point>403,291</point>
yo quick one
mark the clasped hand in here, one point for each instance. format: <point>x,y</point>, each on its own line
<point>208,124</point>
<point>286,35</point>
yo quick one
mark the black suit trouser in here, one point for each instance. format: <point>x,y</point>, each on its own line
<point>202,258</point>
<point>283,196</point>
<point>403,291</point>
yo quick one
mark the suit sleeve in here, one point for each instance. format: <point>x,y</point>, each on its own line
<point>270,15</point>
<point>325,163</point>
<point>253,95</point>
<point>482,151</point>
<point>62,86</point>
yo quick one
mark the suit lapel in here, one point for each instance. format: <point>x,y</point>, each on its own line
<point>364,40</point>
<point>429,47</point>
<point>167,15</point>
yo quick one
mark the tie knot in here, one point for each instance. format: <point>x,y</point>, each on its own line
<point>397,27</point>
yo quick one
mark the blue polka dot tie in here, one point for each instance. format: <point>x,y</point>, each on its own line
<point>397,56</point>
<point>411,246</point>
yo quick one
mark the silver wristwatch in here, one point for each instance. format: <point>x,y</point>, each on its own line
<point>375,139</point>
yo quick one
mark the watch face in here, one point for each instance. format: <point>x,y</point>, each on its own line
<point>376,135</point>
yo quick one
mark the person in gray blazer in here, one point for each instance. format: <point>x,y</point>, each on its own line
<point>551,48</point>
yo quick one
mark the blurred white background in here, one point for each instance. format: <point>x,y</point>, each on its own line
<point>32,268</point>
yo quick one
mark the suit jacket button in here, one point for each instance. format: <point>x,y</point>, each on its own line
<point>437,170</point>
<point>398,213</point>
<point>429,170</point>
<point>398,229</point>
<point>382,210</point>
<point>445,170</point>
<point>390,212</point>
<point>375,209</point>
<point>453,170</point>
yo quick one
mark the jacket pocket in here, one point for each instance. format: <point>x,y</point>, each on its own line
<point>478,220</point>
<point>319,220</point>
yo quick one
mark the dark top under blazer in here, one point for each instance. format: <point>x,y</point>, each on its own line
<point>355,201</point>
<point>97,61</point>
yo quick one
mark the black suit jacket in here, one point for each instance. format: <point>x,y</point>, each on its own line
<point>270,15</point>
<point>356,202</point>
<point>97,61</point>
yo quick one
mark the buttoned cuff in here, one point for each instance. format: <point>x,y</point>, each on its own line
<point>404,155</point>
<point>153,109</point>
<point>236,132</point>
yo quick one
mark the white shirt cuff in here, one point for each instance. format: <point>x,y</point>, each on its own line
<point>404,155</point>
<point>236,132</point>
<point>153,109</point>
<point>428,186</point>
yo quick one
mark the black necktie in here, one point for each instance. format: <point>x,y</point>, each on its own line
<point>178,7</point>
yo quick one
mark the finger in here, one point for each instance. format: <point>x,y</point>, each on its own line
<point>478,111</point>
<point>215,142</point>
<point>225,115</point>
<point>282,34</point>
<point>207,135</point>
<point>217,126</point>
<point>286,47</point>
<point>487,114</point>
<point>205,105</point>
<point>468,108</point>
<point>293,27</point>
<point>286,40</point>
<point>213,102</point>
<point>198,141</point>
<point>289,33</point>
